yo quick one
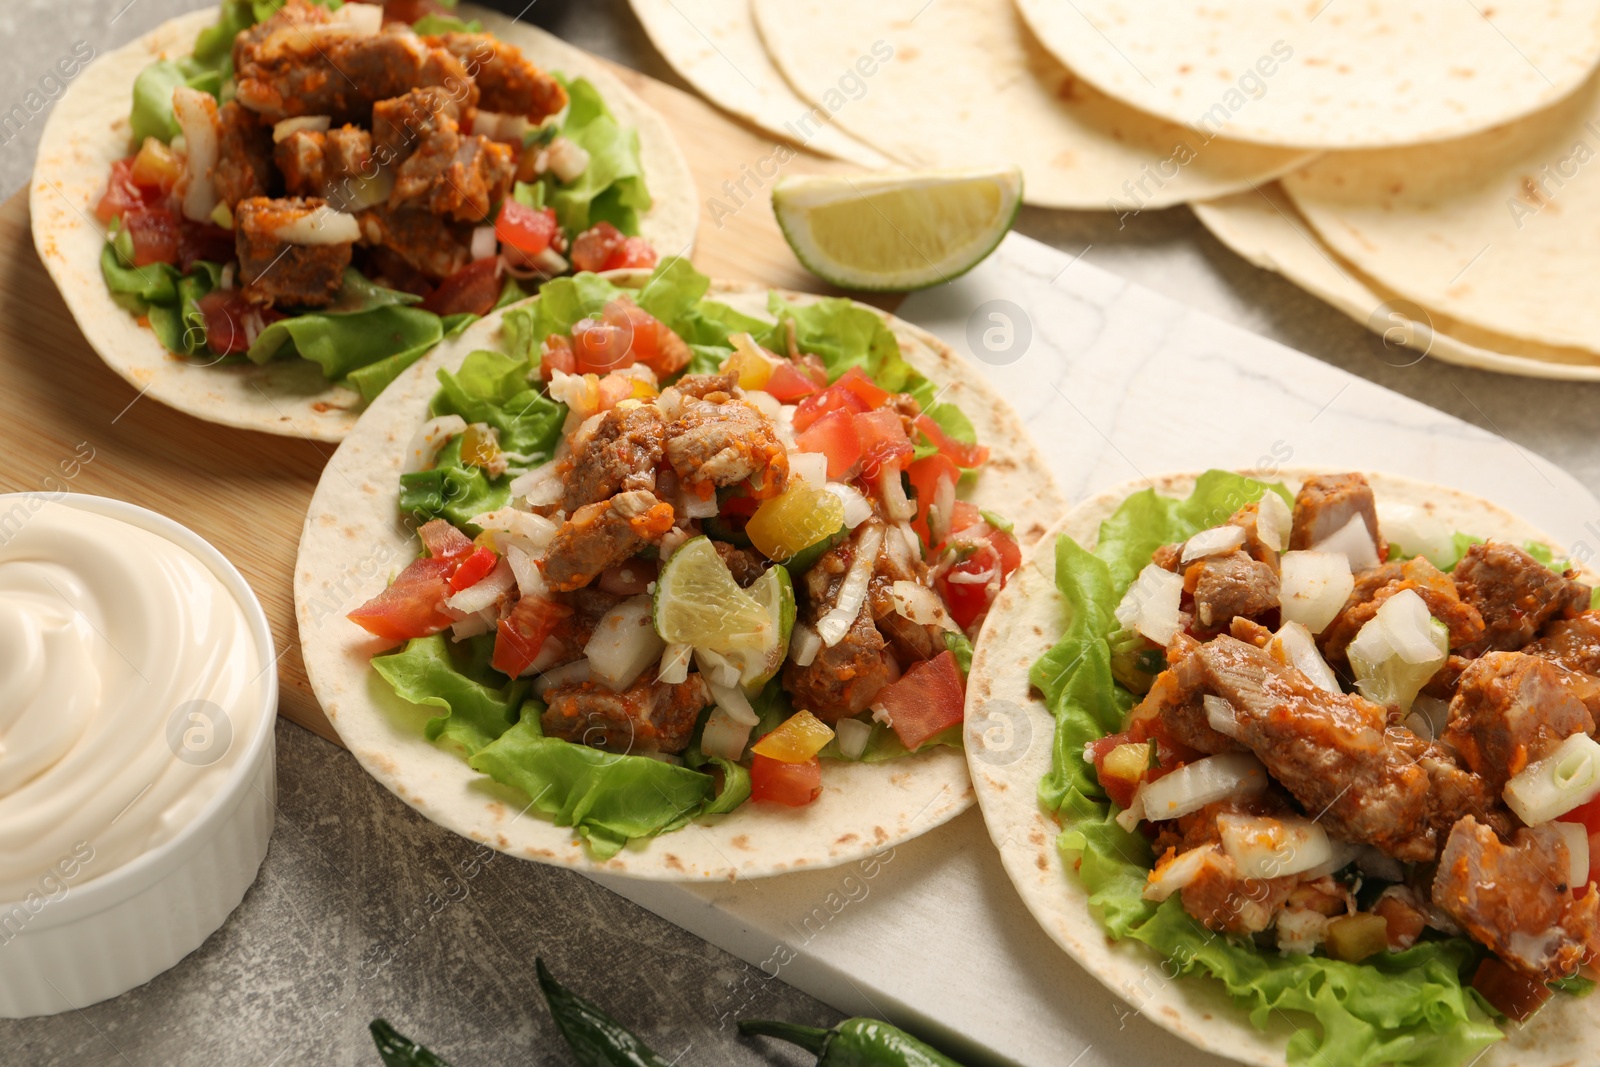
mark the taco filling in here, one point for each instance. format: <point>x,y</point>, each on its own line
<point>336,183</point>
<point>1336,755</point>
<point>677,556</point>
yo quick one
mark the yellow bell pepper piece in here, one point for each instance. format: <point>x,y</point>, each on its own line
<point>797,740</point>
<point>479,447</point>
<point>749,362</point>
<point>796,519</point>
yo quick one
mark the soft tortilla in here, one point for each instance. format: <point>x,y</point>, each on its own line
<point>1265,228</point>
<point>1009,743</point>
<point>88,130</point>
<point>353,541</point>
<point>714,45</point>
<point>969,85</point>
<point>1325,75</point>
<point>1495,230</point>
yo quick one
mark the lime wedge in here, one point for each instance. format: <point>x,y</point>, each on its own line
<point>698,603</point>
<point>775,593</point>
<point>898,231</point>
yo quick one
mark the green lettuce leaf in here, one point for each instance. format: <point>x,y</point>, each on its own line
<point>843,335</point>
<point>494,388</point>
<point>612,187</point>
<point>342,343</point>
<point>434,25</point>
<point>451,490</point>
<point>476,711</point>
<point>1406,1008</point>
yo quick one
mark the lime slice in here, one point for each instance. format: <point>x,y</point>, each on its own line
<point>898,231</point>
<point>775,593</point>
<point>698,603</point>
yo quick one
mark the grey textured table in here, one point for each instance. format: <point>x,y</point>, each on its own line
<point>363,908</point>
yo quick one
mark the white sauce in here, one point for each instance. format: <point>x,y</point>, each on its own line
<point>108,632</point>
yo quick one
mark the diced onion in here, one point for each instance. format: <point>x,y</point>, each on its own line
<point>1354,542</point>
<point>804,644</point>
<point>941,514</point>
<point>1555,785</point>
<point>539,487</point>
<point>809,467</point>
<point>429,439</point>
<point>1292,645</point>
<point>921,605</point>
<point>1398,650</point>
<point>853,735</point>
<point>484,243</point>
<point>364,192</point>
<point>892,491</point>
<point>716,668</point>
<point>624,643</point>
<point>1151,604</point>
<point>724,736</point>
<point>282,131</point>
<point>499,126</point>
<point>1416,532</point>
<point>731,698</point>
<point>485,591</point>
<point>853,590</point>
<point>1194,785</point>
<point>857,508</point>
<point>530,580</point>
<point>697,507</point>
<point>536,529</point>
<point>567,159</point>
<point>1273,521</point>
<point>1179,872</point>
<point>567,674</point>
<point>1300,930</point>
<point>674,666</point>
<point>323,226</point>
<point>480,622</point>
<point>1576,836</point>
<point>361,19</point>
<point>1313,586</point>
<point>1409,627</point>
<point>1273,846</point>
<point>1221,715</point>
<point>772,410</point>
<point>1213,542</point>
<point>196,112</point>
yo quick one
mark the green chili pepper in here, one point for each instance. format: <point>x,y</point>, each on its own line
<point>854,1043</point>
<point>596,1039</point>
<point>398,1050</point>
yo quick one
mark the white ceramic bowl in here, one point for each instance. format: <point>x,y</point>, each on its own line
<point>103,937</point>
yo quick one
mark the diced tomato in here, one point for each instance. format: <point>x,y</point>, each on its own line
<point>925,475</point>
<point>789,383</point>
<point>865,389</point>
<point>223,312</point>
<point>204,240</point>
<point>528,230</point>
<point>156,167</point>
<point>1009,551</point>
<point>154,234</point>
<point>473,569</point>
<point>830,399</point>
<point>444,541</point>
<point>556,354</point>
<point>121,194</point>
<point>409,11</point>
<point>523,632</point>
<point>792,784</point>
<point>472,290</point>
<point>600,347</point>
<point>412,606</point>
<point>928,698</point>
<point>968,587</point>
<point>1511,992</point>
<point>965,514</point>
<point>835,436</point>
<point>650,341</point>
<point>883,441</point>
<point>634,253</point>
<point>963,454</point>
<point>603,247</point>
<point>737,505</point>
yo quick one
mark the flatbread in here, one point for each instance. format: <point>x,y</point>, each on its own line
<point>1325,74</point>
<point>88,131</point>
<point>714,45</point>
<point>962,83</point>
<point>353,541</point>
<point>1267,229</point>
<point>1496,230</point>
<point>1009,734</point>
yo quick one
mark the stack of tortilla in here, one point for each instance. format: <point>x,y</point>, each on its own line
<point>1423,165</point>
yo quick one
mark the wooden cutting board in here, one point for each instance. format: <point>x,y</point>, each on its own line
<point>69,424</point>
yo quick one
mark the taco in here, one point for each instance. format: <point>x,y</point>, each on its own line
<point>304,198</point>
<point>1310,774</point>
<point>688,554</point>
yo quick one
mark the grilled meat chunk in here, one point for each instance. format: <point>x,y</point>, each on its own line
<point>440,169</point>
<point>1513,898</point>
<point>1325,505</point>
<point>1180,709</point>
<point>620,455</point>
<point>1515,594</point>
<point>301,62</point>
<point>1248,519</point>
<point>1573,645</point>
<point>844,679</point>
<point>717,444</point>
<point>1511,710</point>
<point>329,164</point>
<point>429,244</point>
<point>746,565</point>
<point>649,716</point>
<point>1332,751</point>
<point>244,156</point>
<point>275,272</point>
<point>1378,584</point>
<point>701,386</point>
<point>1231,585</point>
<point>602,534</point>
<point>1219,896</point>
<point>507,81</point>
